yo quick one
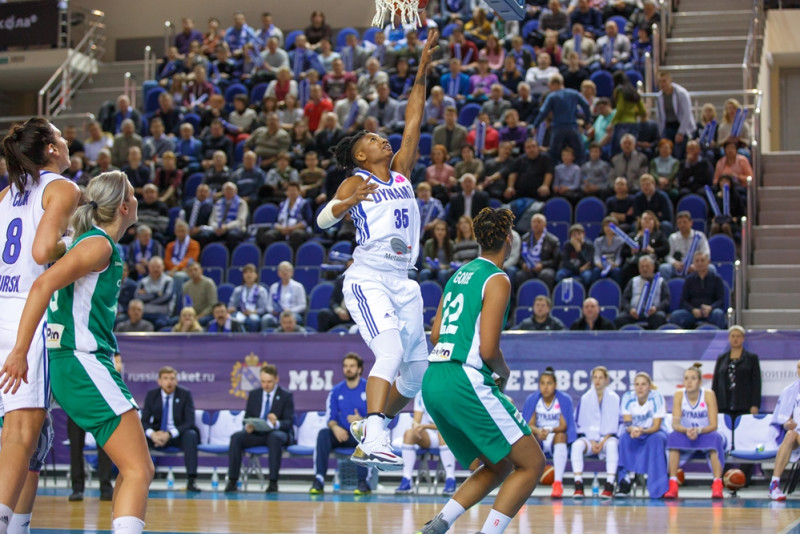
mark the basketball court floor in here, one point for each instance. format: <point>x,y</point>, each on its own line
<point>294,511</point>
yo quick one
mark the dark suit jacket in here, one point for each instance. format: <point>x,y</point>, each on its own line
<point>182,410</point>
<point>600,324</point>
<point>282,405</point>
<point>480,200</point>
<point>748,383</point>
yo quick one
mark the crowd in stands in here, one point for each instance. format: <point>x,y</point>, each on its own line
<point>232,149</point>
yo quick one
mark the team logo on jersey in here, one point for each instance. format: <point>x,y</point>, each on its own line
<point>399,179</point>
<point>245,376</point>
<point>399,246</point>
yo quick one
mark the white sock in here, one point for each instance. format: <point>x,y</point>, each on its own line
<point>409,459</point>
<point>610,478</point>
<point>128,525</point>
<point>6,514</point>
<point>629,476</point>
<point>452,511</point>
<point>20,524</point>
<point>612,456</point>
<point>578,478</point>
<point>387,421</point>
<point>559,460</point>
<point>496,523</point>
<point>776,479</point>
<point>448,461</point>
<point>578,448</point>
<point>373,428</point>
<point>675,479</point>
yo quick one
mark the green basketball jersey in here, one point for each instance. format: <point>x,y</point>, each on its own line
<point>459,334</point>
<point>81,315</point>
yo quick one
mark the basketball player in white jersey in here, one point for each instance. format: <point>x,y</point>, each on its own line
<point>384,303</point>
<point>34,214</point>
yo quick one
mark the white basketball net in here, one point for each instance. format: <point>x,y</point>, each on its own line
<point>408,10</point>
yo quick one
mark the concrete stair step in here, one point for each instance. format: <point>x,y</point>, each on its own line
<point>773,285</point>
<point>782,301</point>
<point>773,271</point>
<point>732,20</point>
<point>710,30</point>
<point>775,231</point>
<point>779,217</point>
<point>714,5</point>
<point>776,257</point>
<point>771,318</point>
<point>777,243</point>
<point>779,193</point>
<point>786,178</point>
<point>777,204</point>
<point>688,58</point>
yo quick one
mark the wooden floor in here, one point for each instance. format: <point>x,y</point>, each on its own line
<point>175,512</point>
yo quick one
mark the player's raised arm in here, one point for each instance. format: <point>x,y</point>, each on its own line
<point>403,161</point>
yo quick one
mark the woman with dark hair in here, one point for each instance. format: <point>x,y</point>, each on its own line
<point>737,377</point>
<point>317,30</point>
<point>400,82</point>
<point>437,254</point>
<point>34,215</point>
<point>381,299</point>
<point>629,109</point>
<point>657,246</point>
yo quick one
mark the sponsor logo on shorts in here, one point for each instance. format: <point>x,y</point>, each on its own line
<point>54,334</point>
<point>441,352</point>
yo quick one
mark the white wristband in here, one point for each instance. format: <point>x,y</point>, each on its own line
<point>326,219</point>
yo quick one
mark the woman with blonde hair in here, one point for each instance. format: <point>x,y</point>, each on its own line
<point>641,444</point>
<point>440,174</point>
<point>188,322</point>
<point>725,126</point>
<point>466,247</point>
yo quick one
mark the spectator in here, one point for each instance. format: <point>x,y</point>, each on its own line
<point>288,324</point>
<point>317,30</point>
<point>275,405</point>
<point>737,377</point>
<point>74,144</point>
<point>643,18</point>
<point>213,111</point>
<point>596,174</point>
<point>493,52</point>
<point>213,37</point>
<point>642,440</point>
<point>157,292</point>
<point>169,180</point>
<point>608,247</point>
<point>656,315</point>
<point>629,108</point>
<point>481,82</point>
<point>170,117</point>
<point>597,424</point>
<point>733,164</point>
<point>784,419</point>
<point>591,318</point>
<point>135,322</point>
<point>240,34</point>
<point>538,77</point>
<point>123,141</point>
<point>143,249</point>
<point>469,164</point>
<point>286,294</point>
<point>725,127</point>
<point>658,246</point>
<point>198,91</point>
<point>532,174</point>
<point>541,254</point>
<point>430,209</point>
<point>222,322</point>
<point>199,292</point>
<point>126,111</point>
<point>215,141</point>
<point>386,56</point>
<point>679,244</point>
<point>189,150</point>
<point>695,172</point>
<point>137,172</point>
<point>180,252</point>
<point>651,199</point>
<point>613,49</point>
<point>335,81</point>
<point>197,211</point>
<point>450,134</point>
<point>328,137</point>
<point>554,18</point>
<point>228,219</point>
<point>675,119</point>
<point>346,404</point>
<point>551,47</point>
<point>439,174</point>
<point>268,30</point>
<point>248,302</point>
<point>589,92</point>
<point>327,55</point>
<point>317,105</point>
<point>496,106</point>
<point>665,168</point>
<point>336,314</point>
<point>127,290</point>
<point>277,181</point>
<point>153,212</point>
<point>294,220</point>
<point>521,56</point>
<point>491,139</point>
<point>401,82</point>
<point>567,181</point>
<point>369,81</point>
<point>468,201</point>
<point>497,170</point>
<point>620,205</point>
<point>702,298</point>
<point>629,163</point>
<point>510,76</point>
<point>303,59</point>
<point>351,110</point>
<point>96,141</point>
<point>513,131</point>
<point>274,56</point>
<point>103,163</point>
<point>466,247</point>
<point>436,107</point>
<point>599,132</point>
<point>574,73</point>
<point>188,35</point>
<point>466,52</point>
<point>75,171</point>
<point>242,120</point>
<point>437,254</point>
<point>268,141</point>
<point>541,320</point>
<point>384,108</point>
<point>727,224</point>
<point>577,256</point>
<point>187,322</point>
<point>694,423</point>
<point>217,173</point>
<point>168,420</point>
<point>455,83</point>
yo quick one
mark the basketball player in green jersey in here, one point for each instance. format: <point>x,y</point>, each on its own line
<point>80,293</point>
<point>462,386</point>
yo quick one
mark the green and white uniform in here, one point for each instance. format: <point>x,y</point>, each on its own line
<point>81,346</point>
<point>474,417</point>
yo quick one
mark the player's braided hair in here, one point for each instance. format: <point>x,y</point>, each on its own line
<point>343,151</point>
<point>491,226</point>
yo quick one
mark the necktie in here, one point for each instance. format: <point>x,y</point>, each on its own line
<point>165,414</point>
<point>266,406</point>
<point>195,212</point>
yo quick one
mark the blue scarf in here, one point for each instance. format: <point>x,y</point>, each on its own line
<point>351,115</point>
<point>230,215</point>
<point>290,216</point>
<point>137,251</point>
<point>214,326</point>
<point>251,300</point>
<point>179,250</point>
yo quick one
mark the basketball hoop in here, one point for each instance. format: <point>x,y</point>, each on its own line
<point>407,9</point>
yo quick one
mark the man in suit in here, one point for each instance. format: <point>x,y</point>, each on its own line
<point>469,201</point>
<point>275,405</point>
<point>450,134</point>
<point>168,420</point>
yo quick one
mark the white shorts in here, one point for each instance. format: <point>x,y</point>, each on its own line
<point>379,301</point>
<point>602,455</point>
<point>36,393</point>
<point>547,444</point>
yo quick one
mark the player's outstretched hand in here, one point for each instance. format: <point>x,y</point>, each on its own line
<point>14,372</point>
<point>431,44</point>
<point>363,192</point>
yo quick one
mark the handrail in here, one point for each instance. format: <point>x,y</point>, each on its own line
<point>149,63</point>
<point>169,33</point>
<point>658,55</point>
<point>755,149</point>
<point>12,119</point>
<point>738,285</point>
<point>665,14</point>
<point>751,49</point>
<point>745,259</point>
<point>56,94</point>
<point>129,88</point>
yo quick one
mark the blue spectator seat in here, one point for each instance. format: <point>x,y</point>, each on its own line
<point>529,290</point>
<point>233,90</point>
<point>344,247</point>
<point>245,253</point>
<point>669,326</point>
<point>722,247</point>
<point>560,230</point>
<point>609,312</point>
<point>569,292</point>
<point>425,144</point>
<point>194,120</point>
<point>567,314</point>
<point>632,326</point>
<point>257,93</point>
<point>238,153</point>
<point>173,216</point>
<point>221,426</point>
<point>341,37</point>
<point>290,37</point>
<point>396,141</point>
<point>431,294</point>
<point>706,326</point>
<point>468,114</point>
<point>277,252</point>
<point>265,214</point>
<point>144,130</point>
<point>521,313</point>
<point>269,275</point>
<point>151,100</point>
<point>675,290</point>
<point>217,274</point>
<point>495,203</point>
<point>530,27</point>
<point>369,34</point>
<point>318,299</point>
<point>310,254</point>
<point>308,276</point>
<point>448,30</point>
<point>696,205</point>
<point>606,292</point>
<point>123,251</point>
<point>604,82</point>
<point>590,212</point>
<point>634,76</point>
<point>224,292</point>
<point>751,433</point>
<point>191,184</point>
<point>726,271</point>
<point>620,21</point>
<point>558,209</point>
<point>215,255</point>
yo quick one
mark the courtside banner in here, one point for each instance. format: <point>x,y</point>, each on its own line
<point>220,370</point>
<point>29,23</point>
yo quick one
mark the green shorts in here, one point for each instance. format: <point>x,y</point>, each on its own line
<point>90,390</point>
<point>471,413</point>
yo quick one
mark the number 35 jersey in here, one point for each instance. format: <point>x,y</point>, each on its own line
<point>20,215</point>
<point>387,229</point>
<point>460,330</point>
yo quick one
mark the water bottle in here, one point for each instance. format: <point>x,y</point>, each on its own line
<point>595,486</point>
<point>336,485</point>
<point>170,479</point>
<point>215,480</point>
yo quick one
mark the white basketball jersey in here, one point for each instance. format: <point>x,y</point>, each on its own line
<point>546,417</point>
<point>694,416</point>
<point>387,234</point>
<point>419,406</point>
<point>643,415</point>
<point>20,213</point>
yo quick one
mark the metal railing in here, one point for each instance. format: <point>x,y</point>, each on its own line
<point>82,120</point>
<point>129,88</point>
<point>752,50</point>
<point>56,95</point>
<point>169,34</point>
<point>665,14</point>
<point>150,62</point>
